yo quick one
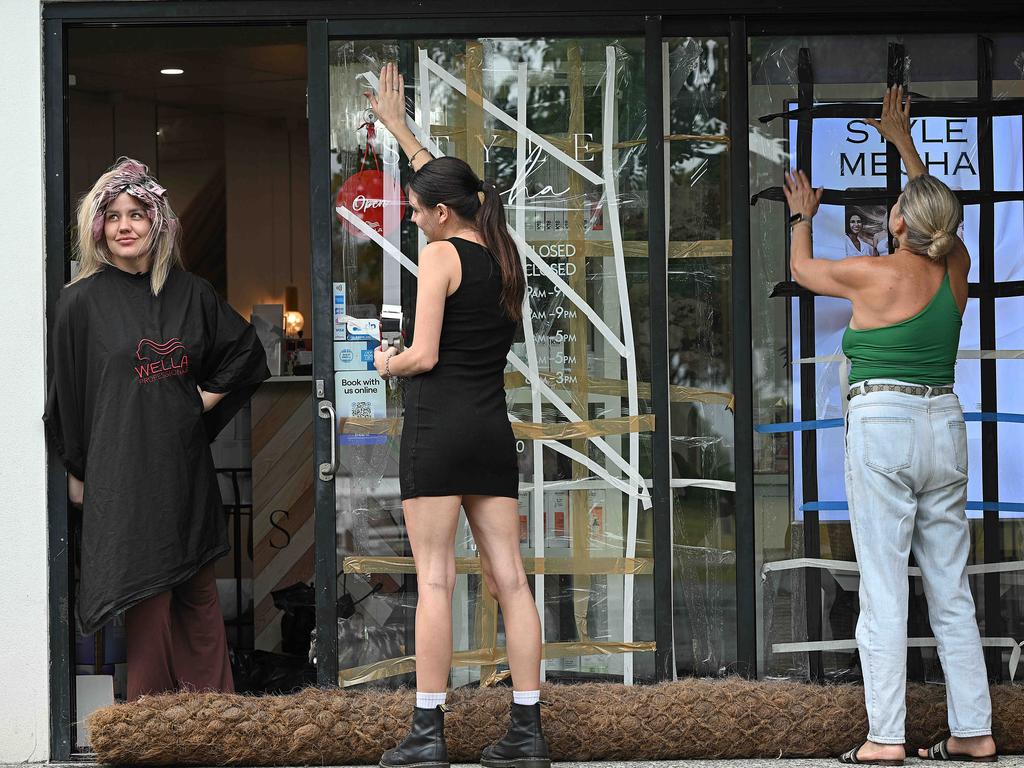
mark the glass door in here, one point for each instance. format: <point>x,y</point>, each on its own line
<point>559,124</point>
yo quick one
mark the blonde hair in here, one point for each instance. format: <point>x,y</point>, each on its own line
<point>164,238</point>
<point>932,214</point>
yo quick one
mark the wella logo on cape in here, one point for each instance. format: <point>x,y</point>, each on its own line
<point>159,360</point>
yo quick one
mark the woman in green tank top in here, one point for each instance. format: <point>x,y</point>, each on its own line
<point>906,448</point>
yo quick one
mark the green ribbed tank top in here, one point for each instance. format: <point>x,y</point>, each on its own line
<point>920,350</point>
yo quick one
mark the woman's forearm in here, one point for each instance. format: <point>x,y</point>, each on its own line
<point>411,362</point>
<point>910,156</point>
<point>210,399</point>
<point>415,151</point>
<point>800,251</point>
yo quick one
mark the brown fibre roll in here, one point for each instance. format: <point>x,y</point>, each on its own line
<point>691,718</point>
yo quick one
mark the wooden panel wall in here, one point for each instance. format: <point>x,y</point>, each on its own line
<point>282,476</point>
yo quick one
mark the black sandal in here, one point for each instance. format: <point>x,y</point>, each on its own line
<point>941,752</point>
<point>850,758</point>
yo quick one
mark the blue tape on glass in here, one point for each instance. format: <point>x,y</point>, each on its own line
<point>974,506</point>
<point>801,426</point>
<point>798,426</point>
<point>1008,418</point>
<point>344,439</point>
<point>995,506</point>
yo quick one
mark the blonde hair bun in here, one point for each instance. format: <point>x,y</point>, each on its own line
<point>941,245</point>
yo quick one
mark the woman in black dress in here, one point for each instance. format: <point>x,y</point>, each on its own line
<point>458,449</point>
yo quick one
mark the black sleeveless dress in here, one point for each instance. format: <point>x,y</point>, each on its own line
<point>457,439</point>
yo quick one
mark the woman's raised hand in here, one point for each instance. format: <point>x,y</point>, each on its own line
<point>800,195</point>
<point>389,102</point>
<point>894,125</point>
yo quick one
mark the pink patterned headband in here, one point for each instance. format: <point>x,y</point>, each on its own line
<point>133,177</point>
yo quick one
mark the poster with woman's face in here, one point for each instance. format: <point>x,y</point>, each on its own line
<point>865,230</point>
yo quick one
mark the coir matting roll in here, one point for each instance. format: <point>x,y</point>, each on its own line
<point>691,718</point>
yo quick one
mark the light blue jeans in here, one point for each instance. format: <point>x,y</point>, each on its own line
<point>906,485</point>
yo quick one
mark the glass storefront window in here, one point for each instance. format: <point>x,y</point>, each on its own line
<point>700,355</point>
<point>806,613</point>
<point>560,126</point>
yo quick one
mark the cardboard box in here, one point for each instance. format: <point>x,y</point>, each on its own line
<point>354,355</point>
<point>361,395</point>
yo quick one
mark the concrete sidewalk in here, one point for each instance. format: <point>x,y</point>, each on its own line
<point>1014,761</point>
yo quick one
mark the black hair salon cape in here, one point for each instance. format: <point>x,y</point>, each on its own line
<point>124,415</point>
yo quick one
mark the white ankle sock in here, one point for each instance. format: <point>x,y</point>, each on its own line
<point>526,697</point>
<point>430,700</point>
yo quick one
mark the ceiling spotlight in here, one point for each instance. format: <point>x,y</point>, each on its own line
<point>172,71</point>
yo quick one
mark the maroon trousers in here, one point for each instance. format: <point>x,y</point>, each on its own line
<point>176,640</point>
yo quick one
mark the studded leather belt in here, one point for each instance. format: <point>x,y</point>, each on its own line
<point>920,390</point>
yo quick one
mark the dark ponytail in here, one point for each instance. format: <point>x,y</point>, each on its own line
<point>491,221</point>
<point>451,181</point>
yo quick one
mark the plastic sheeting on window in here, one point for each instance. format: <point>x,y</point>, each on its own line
<point>808,98</point>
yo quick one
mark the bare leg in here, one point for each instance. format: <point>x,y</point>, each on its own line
<point>431,522</point>
<point>495,524</point>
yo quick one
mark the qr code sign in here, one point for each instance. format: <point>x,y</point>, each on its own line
<point>362,410</point>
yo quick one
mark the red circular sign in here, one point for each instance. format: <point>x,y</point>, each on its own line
<point>363,195</point>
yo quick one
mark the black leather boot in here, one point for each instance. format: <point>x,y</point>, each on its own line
<point>523,746</point>
<point>425,746</point>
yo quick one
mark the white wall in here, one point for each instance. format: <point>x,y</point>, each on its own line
<point>24,707</point>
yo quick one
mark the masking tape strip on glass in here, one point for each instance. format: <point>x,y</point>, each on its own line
<point>519,199</point>
<point>523,430</point>
<point>611,196</point>
<point>850,566</point>
<point>562,566</point>
<point>599,386</point>
<point>912,642</point>
<point>508,139</point>
<point>804,426</point>
<point>931,108</point>
<point>484,657</point>
<point>677,249</point>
